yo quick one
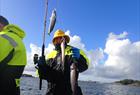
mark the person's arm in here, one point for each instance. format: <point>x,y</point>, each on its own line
<point>83,62</point>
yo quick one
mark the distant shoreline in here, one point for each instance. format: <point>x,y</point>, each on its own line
<point>129,82</point>
<point>27,75</point>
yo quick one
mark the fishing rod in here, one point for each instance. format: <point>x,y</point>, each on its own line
<point>44,32</point>
<point>50,29</point>
<point>44,36</point>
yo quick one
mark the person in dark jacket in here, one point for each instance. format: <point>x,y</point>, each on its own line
<point>62,76</point>
<point>12,57</point>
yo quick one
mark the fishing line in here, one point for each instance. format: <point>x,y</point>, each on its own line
<point>0,7</point>
<point>59,14</point>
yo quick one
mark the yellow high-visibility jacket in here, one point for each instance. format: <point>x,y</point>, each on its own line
<point>11,39</point>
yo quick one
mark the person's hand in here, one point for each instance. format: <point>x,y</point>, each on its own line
<point>75,53</point>
<point>42,64</point>
<point>42,67</point>
<point>41,61</point>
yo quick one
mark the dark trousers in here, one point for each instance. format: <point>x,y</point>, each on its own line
<point>8,82</point>
<point>8,86</point>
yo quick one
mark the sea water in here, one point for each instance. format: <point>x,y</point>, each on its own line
<point>30,86</point>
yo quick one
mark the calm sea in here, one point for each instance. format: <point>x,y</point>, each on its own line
<point>30,86</point>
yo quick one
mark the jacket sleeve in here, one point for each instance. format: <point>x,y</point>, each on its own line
<point>83,62</point>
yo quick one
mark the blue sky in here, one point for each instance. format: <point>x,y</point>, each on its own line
<point>92,20</point>
<point>107,28</point>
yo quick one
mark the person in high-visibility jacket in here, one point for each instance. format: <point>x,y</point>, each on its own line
<point>12,57</point>
<point>63,77</point>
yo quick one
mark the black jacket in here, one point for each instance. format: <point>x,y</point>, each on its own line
<point>57,74</point>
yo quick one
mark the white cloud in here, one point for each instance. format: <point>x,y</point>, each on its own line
<point>75,41</point>
<point>123,58</point>
<point>113,36</point>
<point>30,67</point>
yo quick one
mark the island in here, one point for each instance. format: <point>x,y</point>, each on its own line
<point>129,82</point>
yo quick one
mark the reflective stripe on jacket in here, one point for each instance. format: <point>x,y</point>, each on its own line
<point>9,40</point>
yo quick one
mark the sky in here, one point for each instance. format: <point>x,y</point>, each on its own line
<point>107,30</point>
